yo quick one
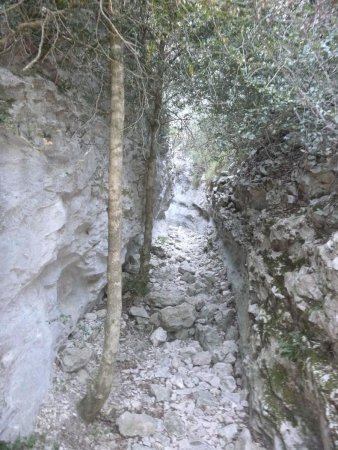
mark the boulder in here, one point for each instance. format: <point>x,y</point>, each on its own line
<point>177,317</point>
<point>162,299</point>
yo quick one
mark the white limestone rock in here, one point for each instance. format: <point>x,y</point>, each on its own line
<point>53,237</point>
<point>201,359</point>
<point>158,337</point>
<point>73,358</point>
<point>229,432</point>
<point>139,311</point>
<point>177,317</point>
<point>161,393</point>
<point>131,424</point>
<point>174,424</point>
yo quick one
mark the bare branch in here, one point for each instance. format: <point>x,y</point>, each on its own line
<point>10,8</point>
<point>37,57</point>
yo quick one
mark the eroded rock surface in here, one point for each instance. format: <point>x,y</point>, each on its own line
<point>278,217</point>
<point>53,235</point>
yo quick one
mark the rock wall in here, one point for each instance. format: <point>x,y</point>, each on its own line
<point>53,239</point>
<point>277,215</point>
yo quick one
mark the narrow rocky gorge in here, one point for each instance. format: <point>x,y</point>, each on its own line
<point>220,144</point>
<point>179,378</point>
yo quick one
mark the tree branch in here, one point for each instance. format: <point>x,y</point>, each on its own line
<point>42,39</point>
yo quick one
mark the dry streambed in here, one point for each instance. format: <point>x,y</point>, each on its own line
<point>178,382</point>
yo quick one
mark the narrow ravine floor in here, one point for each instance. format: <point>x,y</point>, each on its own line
<point>178,383</point>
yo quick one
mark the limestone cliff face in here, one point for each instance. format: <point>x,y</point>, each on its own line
<point>278,218</point>
<point>53,159</point>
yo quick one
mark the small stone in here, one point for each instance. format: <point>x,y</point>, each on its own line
<point>154,320</point>
<point>101,313</point>
<point>91,317</point>
<point>174,425</point>
<point>188,278</point>
<point>208,336</point>
<point>244,441</point>
<point>230,347</point>
<point>177,381</point>
<point>184,334</point>
<point>130,424</point>
<point>201,359</point>
<point>139,311</point>
<point>229,383</point>
<point>83,376</point>
<point>161,393</point>
<point>158,337</point>
<point>186,268</point>
<point>74,358</point>
<point>158,251</point>
<point>141,322</point>
<point>225,318</point>
<point>223,369</point>
<point>204,398</point>
<point>185,444</point>
<point>232,333</point>
<point>210,378</point>
<point>229,432</point>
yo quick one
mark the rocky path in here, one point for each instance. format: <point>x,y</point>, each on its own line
<point>178,383</point>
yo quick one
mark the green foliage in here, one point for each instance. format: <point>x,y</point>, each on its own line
<point>4,117</point>
<point>20,443</point>
<point>295,347</point>
<point>257,73</point>
<point>162,239</point>
<point>137,285</point>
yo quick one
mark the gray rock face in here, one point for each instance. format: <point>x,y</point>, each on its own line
<point>53,232</point>
<point>177,317</point>
<point>281,255</point>
<point>136,424</point>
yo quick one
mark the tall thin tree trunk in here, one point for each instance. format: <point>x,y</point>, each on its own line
<point>99,388</point>
<point>150,183</point>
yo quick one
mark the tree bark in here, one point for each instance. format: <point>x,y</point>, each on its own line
<point>150,182</point>
<point>99,388</point>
